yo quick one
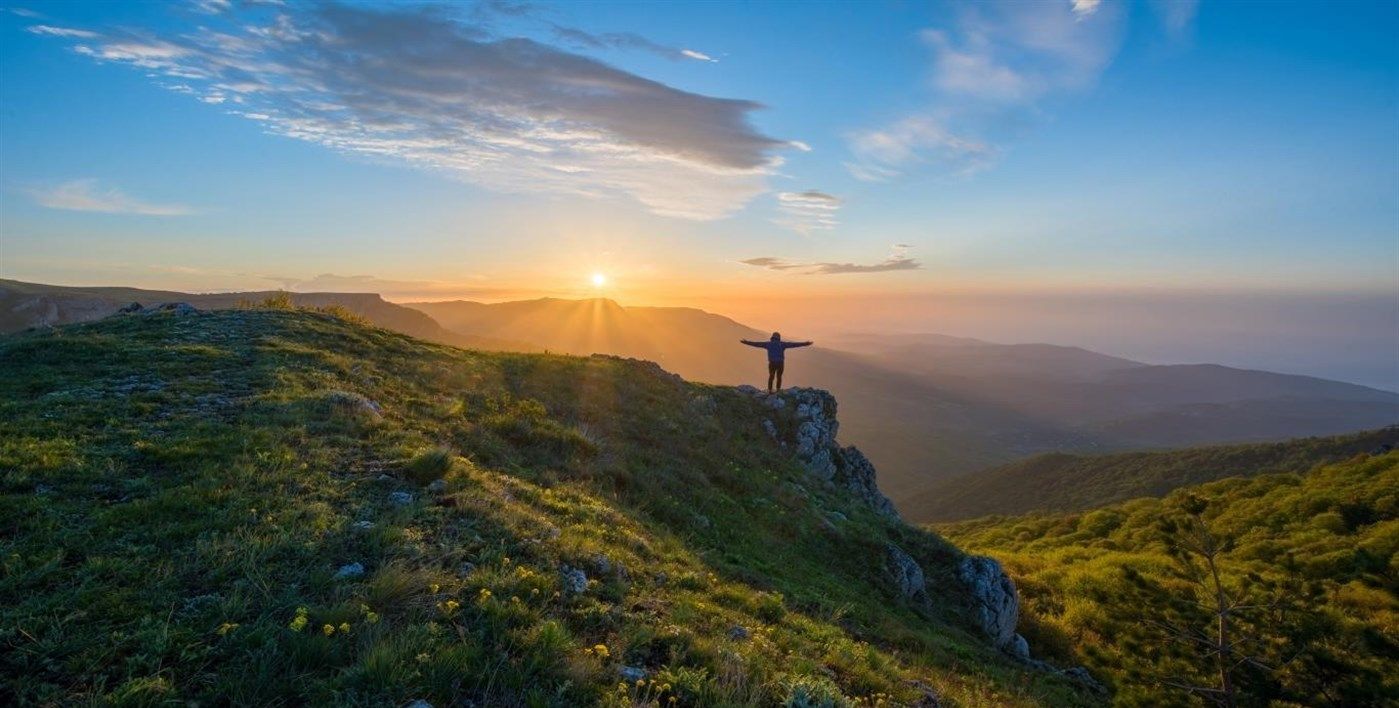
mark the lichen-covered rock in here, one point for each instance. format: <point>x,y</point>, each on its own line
<point>995,605</point>
<point>806,421</point>
<point>574,580</point>
<point>1018,647</point>
<point>858,476</point>
<point>770,428</point>
<point>905,574</point>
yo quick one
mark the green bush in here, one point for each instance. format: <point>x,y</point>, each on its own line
<point>429,465</point>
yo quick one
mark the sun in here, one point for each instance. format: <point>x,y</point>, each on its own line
<point>599,280</point>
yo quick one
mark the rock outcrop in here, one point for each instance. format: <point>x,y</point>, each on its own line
<point>995,604</point>
<point>905,574</point>
<point>804,419</point>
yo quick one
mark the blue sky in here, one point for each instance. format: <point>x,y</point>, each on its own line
<point>778,150</point>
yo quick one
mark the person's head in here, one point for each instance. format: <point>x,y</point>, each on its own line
<point>776,336</point>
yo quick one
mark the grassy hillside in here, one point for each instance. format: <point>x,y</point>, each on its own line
<point>1062,482</point>
<point>244,506</point>
<point>1308,565</point>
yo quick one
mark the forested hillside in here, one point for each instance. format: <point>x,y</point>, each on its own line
<point>1060,482</point>
<point>1308,576</point>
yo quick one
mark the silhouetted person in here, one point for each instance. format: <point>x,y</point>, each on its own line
<point>776,355</point>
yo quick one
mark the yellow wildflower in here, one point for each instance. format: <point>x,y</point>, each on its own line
<point>434,588</point>
<point>601,650</point>
<point>371,617</point>
<point>345,627</point>
<point>328,630</point>
<point>640,683</point>
<point>227,627</point>
<point>298,624</point>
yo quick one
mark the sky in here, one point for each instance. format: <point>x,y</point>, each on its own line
<point>1172,180</point>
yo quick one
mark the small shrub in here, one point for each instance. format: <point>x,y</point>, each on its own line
<point>769,607</point>
<point>429,465</point>
<point>342,312</point>
<point>813,692</point>
<point>280,301</point>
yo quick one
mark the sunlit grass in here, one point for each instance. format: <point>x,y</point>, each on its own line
<point>185,494</point>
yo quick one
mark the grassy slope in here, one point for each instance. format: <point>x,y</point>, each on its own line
<point>1061,482</point>
<point>175,488</point>
<point>1334,530</point>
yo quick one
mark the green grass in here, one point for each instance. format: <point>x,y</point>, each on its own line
<point>1059,482</point>
<point>1095,585</point>
<point>178,494</point>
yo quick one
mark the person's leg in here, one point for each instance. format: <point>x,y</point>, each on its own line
<point>780,367</point>
<point>772,371</point>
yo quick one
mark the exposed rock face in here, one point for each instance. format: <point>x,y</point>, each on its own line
<point>995,605</point>
<point>906,574</point>
<point>805,419</point>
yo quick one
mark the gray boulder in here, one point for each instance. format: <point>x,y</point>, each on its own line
<point>905,574</point>
<point>995,605</point>
<point>349,571</point>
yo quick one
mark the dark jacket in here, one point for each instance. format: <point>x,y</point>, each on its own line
<point>776,347</point>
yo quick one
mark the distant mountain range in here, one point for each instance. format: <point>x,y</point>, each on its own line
<point>925,408</point>
<point>24,305</point>
<point>1060,482</point>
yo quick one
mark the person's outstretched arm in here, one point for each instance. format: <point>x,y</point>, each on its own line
<point>751,344</point>
<point>794,345</point>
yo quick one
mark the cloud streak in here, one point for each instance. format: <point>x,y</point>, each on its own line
<point>808,211</point>
<point>417,85</point>
<point>898,260</point>
<point>86,195</point>
<point>625,40</point>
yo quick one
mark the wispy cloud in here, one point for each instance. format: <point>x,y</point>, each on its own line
<point>898,260</point>
<point>417,84</point>
<point>991,60</point>
<point>699,56</point>
<point>1086,7</point>
<point>625,40</point>
<point>884,153</point>
<point>52,31</point>
<point>87,195</point>
<point>1177,16</point>
<point>807,211</point>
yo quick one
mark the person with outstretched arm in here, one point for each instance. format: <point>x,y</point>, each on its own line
<point>776,356</point>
